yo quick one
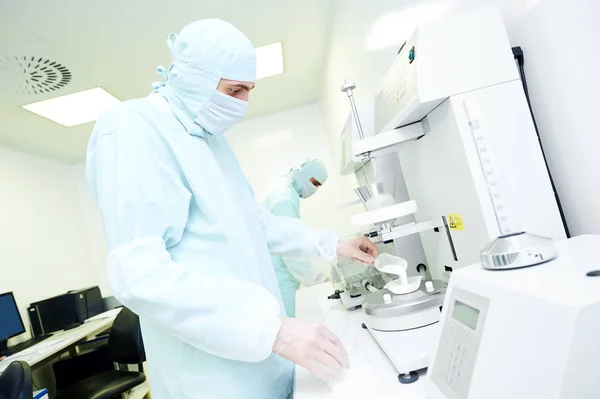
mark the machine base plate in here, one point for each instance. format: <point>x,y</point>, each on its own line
<point>408,350</point>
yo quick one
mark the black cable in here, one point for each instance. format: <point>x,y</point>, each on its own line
<point>520,58</point>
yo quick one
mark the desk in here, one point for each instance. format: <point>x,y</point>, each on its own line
<point>63,341</point>
<point>371,374</point>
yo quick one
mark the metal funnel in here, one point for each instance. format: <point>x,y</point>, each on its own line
<point>377,195</point>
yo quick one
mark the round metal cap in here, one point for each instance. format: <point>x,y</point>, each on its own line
<point>348,86</point>
<point>517,250</point>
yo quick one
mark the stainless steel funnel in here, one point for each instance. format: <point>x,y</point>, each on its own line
<point>377,195</point>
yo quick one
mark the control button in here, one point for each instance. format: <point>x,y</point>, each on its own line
<point>411,55</point>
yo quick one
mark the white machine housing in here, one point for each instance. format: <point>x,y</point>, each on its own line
<point>465,140</point>
<point>523,333</point>
<point>465,52</point>
<point>478,155</point>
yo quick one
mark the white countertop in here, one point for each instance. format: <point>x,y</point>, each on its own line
<point>371,374</point>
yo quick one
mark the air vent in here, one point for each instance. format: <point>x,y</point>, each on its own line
<point>27,75</point>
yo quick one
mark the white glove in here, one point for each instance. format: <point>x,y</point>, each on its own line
<point>312,346</point>
<point>359,249</point>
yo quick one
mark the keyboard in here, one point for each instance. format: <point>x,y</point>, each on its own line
<point>24,345</point>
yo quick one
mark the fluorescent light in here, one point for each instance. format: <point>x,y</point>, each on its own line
<point>76,108</point>
<point>269,60</point>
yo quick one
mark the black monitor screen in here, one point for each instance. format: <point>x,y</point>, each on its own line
<point>57,313</point>
<point>11,323</point>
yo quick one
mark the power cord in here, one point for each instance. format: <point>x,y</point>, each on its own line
<point>520,58</point>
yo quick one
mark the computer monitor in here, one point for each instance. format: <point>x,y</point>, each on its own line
<point>57,312</point>
<point>11,323</point>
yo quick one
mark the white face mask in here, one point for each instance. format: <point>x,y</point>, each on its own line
<point>221,113</point>
<point>307,190</point>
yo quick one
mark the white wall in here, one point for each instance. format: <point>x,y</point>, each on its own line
<point>563,92</point>
<point>43,250</point>
<point>94,231</point>
<point>562,60</point>
<point>268,147</point>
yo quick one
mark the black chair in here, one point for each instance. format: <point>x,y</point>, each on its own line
<point>92,358</point>
<point>16,381</point>
<point>125,346</point>
<point>85,364</point>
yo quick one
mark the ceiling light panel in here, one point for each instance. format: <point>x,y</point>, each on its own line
<point>76,108</point>
<point>269,60</point>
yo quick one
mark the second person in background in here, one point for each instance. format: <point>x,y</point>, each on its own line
<point>283,199</point>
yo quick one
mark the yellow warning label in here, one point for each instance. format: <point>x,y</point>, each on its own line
<point>455,222</point>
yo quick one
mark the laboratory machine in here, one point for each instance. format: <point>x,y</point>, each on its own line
<point>451,124</point>
<point>353,282</point>
<point>522,333</point>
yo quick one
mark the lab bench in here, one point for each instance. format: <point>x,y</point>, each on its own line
<point>371,374</point>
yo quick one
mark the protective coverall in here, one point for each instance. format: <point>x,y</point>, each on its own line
<point>189,247</point>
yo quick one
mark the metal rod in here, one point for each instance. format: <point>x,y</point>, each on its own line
<point>347,88</point>
<point>450,241</point>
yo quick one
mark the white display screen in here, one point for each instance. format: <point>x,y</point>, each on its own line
<point>465,314</point>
